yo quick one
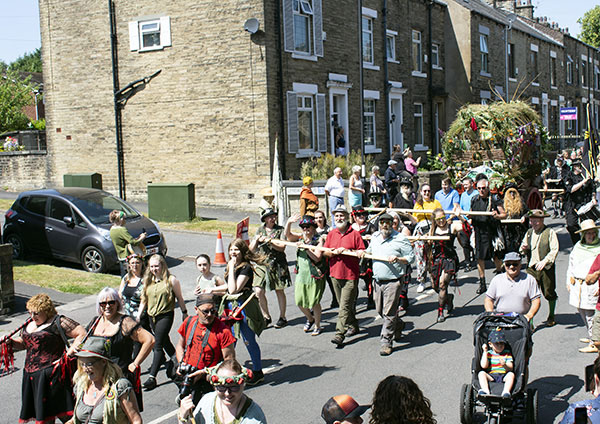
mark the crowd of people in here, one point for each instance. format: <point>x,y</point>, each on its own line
<point>403,230</point>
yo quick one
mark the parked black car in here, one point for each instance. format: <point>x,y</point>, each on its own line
<point>72,224</point>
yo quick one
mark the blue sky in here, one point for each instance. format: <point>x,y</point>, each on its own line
<point>20,32</point>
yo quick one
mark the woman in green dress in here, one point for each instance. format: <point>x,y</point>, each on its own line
<point>310,281</point>
<point>274,275</point>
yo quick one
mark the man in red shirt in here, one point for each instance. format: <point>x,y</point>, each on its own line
<point>204,342</point>
<point>344,271</point>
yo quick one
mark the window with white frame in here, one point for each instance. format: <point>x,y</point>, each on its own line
<point>533,59</point>
<point>597,76</point>
<point>584,82</point>
<point>417,51</point>
<point>367,40</point>
<point>369,136</point>
<point>483,47</point>
<point>303,14</point>
<point>390,45</point>
<point>307,123</point>
<point>150,34</point>
<point>435,55</point>
<point>569,70</point>
<point>418,123</point>
<point>303,28</point>
<point>512,68</point>
<point>553,80</point>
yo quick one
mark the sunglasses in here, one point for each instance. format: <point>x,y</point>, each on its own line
<point>88,364</point>
<point>223,389</point>
<point>481,188</point>
<point>107,303</point>
<point>426,191</point>
<point>511,264</point>
<point>205,312</point>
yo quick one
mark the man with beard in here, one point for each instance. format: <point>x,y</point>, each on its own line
<point>344,272</point>
<point>390,278</point>
<point>579,191</point>
<point>486,228</point>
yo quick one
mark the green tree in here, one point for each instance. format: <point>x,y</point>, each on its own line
<point>29,62</point>
<point>590,27</point>
<point>15,94</point>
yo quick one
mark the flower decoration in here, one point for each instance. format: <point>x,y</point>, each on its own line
<point>217,380</point>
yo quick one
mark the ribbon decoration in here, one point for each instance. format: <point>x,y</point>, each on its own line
<point>7,356</point>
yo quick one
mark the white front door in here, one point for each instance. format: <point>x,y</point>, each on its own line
<point>396,120</point>
<point>339,116</point>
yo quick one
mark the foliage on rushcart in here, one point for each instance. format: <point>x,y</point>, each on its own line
<point>505,140</point>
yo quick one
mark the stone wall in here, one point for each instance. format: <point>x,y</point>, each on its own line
<point>24,170</point>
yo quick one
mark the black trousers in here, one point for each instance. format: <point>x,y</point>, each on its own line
<point>161,325</point>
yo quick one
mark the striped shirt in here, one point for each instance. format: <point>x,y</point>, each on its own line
<point>494,358</point>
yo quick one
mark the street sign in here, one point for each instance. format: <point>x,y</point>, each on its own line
<point>568,114</point>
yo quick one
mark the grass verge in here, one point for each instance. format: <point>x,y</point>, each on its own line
<point>206,225</point>
<point>5,204</point>
<point>62,279</point>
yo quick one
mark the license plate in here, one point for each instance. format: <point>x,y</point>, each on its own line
<point>152,251</point>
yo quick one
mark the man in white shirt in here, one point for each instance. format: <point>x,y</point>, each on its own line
<point>334,189</point>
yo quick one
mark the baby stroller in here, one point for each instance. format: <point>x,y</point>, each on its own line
<point>523,402</point>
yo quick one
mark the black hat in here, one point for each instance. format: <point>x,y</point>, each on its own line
<point>406,182</point>
<point>358,209</point>
<point>340,407</point>
<point>375,191</point>
<point>267,212</point>
<point>497,336</point>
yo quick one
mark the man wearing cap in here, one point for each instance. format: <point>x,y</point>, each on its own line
<point>343,409</point>
<point>391,179</point>
<point>579,191</point>
<point>390,278</point>
<point>204,342</point>
<point>540,244</point>
<point>513,290</point>
<point>344,272</point>
<point>334,190</point>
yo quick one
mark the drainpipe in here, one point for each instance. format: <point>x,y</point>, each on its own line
<point>506,62</point>
<point>115,73</point>
<point>430,77</point>
<point>282,106</point>
<point>386,83</point>
<point>360,86</point>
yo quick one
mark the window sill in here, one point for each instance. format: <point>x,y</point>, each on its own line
<point>393,61</point>
<point>151,49</point>
<point>371,67</point>
<point>23,153</point>
<point>369,150</point>
<point>485,74</point>
<point>421,148</point>
<point>307,154</point>
<point>535,84</point>
<point>512,79</point>
<point>419,74</point>
<point>554,87</point>
<point>301,56</point>
<point>438,68</point>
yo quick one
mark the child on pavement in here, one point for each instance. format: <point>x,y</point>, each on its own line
<point>500,363</point>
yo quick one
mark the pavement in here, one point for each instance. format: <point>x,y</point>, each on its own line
<point>302,371</point>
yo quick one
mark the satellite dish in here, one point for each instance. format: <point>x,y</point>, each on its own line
<point>251,25</point>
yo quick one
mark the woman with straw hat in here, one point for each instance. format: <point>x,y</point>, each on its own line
<point>581,295</point>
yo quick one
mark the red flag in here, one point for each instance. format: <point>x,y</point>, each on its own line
<point>242,230</point>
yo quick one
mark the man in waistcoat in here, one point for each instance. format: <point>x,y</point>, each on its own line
<point>541,246</point>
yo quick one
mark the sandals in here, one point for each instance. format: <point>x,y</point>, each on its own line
<point>317,331</point>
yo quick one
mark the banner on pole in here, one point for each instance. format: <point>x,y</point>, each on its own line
<point>242,230</point>
<point>568,114</point>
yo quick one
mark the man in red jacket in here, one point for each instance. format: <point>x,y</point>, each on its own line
<point>344,271</point>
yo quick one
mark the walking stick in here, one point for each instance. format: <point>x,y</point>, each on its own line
<point>7,356</point>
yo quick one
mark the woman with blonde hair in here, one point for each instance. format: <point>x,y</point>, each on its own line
<point>45,395</point>
<point>159,294</point>
<point>355,194</point>
<point>103,395</point>
<point>515,209</point>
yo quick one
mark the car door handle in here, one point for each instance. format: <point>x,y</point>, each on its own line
<point>49,229</point>
<point>20,221</point>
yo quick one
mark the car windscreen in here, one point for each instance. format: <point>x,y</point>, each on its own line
<point>97,207</point>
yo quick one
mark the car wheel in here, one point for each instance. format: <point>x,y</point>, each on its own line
<point>92,259</point>
<point>18,245</point>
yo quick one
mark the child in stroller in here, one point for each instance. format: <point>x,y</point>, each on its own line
<point>499,360</point>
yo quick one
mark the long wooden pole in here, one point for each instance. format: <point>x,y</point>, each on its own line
<point>429,211</point>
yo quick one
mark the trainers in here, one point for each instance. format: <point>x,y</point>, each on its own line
<point>550,322</point>
<point>584,340</point>
<point>589,349</point>
<point>170,368</point>
<point>317,331</point>
<point>450,303</point>
<point>421,288</point>
<point>352,331</point>
<point>268,321</point>
<point>338,341</point>
<point>281,322</point>
<point>149,384</point>
<point>482,392</point>
<point>257,377</point>
<point>385,350</point>
<point>308,326</point>
<point>482,287</point>
<point>441,317</point>
<point>505,395</point>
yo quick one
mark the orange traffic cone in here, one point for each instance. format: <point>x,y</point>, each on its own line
<point>219,251</point>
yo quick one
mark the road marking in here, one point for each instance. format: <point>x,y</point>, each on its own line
<point>164,417</point>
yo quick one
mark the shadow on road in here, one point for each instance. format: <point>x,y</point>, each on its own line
<point>426,336</point>
<point>295,373</point>
<point>554,393</point>
<point>172,262</point>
